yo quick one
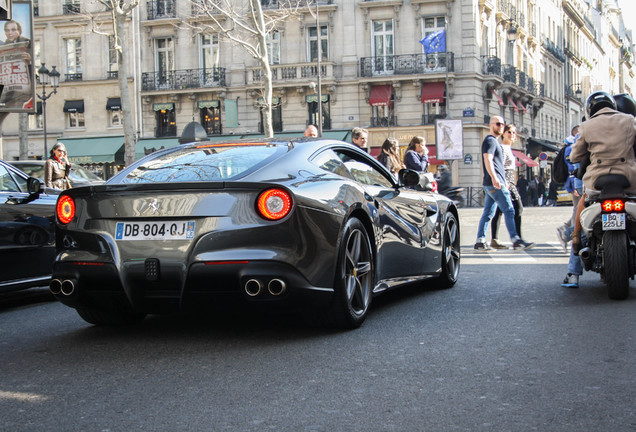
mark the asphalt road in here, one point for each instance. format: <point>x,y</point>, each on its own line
<point>506,349</point>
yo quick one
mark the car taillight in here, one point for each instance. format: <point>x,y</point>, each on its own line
<point>616,205</point>
<point>274,204</point>
<point>65,209</point>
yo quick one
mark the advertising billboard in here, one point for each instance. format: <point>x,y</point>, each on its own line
<point>16,60</point>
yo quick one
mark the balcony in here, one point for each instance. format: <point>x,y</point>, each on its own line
<point>292,72</point>
<point>429,119</point>
<point>112,74</point>
<point>168,131</point>
<point>183,79</point>
<point>409,64</point>
<point>159,9</point>
<point>492,66</point>
<point>383,121</point>
<point>70,8</point>
<point>73,77</point>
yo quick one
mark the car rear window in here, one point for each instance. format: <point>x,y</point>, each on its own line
<point>205,162</point>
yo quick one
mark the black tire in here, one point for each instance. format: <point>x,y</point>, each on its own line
<point>616,264</point>
<point>110,318</point>
<point>451,253</point>
<point>355,278</point>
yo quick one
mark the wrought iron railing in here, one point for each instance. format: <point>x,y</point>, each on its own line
<point>112,74</point>
<point>70,8</point>
<point>383,121</point>
<point>428,119</point>
<point>407,64</point>
<point>183,79</point>
<point>73,77</point>
<point>165,131</point>
<point>157,9</point>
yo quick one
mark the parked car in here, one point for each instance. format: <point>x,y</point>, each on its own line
<point>27,230</point>
<point>311,223</point>
<point>79,176</point>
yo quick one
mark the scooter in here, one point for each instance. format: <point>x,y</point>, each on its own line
<point>609,223</point>
<point>456,193</point>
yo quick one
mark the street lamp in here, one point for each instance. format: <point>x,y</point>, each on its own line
<point>45,77</point>
<point>569,94</point>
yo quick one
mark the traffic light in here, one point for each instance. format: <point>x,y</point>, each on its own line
<point>5,10</point>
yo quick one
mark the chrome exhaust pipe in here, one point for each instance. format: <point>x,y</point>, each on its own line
<point>253,287</point>
<point>276,287</point>
<point>586,257</point>
<point>55,286</point>
<point>68,287</point>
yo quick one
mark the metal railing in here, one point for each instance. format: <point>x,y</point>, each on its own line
<point>165,131</point>
<point>407,64</point>
<point>157,9</point>
<point>491,65</point>
<point>73,76</point>
<point>383,121</point>
<point>183,79</point>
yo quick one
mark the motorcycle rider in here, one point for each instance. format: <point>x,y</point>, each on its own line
<point>444,179</point>
<point>607,138</point>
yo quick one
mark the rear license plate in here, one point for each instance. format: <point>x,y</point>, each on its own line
<point>158,230</point>
<point>613,221</point>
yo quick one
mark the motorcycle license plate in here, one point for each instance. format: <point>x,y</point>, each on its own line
<point>613,221</point>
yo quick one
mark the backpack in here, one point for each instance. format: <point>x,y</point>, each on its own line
<point>560,171</point>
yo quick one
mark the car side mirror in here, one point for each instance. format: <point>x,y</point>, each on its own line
<point>408,177</point>
<point>34,187</point>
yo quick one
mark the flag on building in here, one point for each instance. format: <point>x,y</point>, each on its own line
<point>435,42</point>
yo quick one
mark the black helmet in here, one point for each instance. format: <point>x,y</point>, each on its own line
<point>625,104</point>
<point>598,100</point>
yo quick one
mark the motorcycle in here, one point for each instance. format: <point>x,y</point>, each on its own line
<point>609,223</point>
<point>456,193</point>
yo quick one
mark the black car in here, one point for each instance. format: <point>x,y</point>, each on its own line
<point>306,222</point>
<point>27,228</point>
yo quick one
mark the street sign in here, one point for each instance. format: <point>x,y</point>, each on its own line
<point>543,156</point>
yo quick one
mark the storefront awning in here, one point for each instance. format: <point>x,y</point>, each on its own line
<point>500,101</point>
<point>433,92</point>
<point>380,95</point>
<point>74,106</point>
<point>541,145</point>
<point>525,159</point>
<point>113,104</point>
<point>94,150</point>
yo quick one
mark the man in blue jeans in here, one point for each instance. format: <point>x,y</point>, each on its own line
<point>495,190</point>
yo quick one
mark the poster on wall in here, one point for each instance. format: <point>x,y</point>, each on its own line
<point>16,66</point>
<point>449,139</point>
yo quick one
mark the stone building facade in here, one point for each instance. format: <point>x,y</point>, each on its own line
<point>532,61</point>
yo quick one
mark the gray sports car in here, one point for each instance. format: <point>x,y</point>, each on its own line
<point>311,223</point>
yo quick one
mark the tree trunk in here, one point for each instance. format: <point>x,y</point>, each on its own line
<point>122,60</point>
